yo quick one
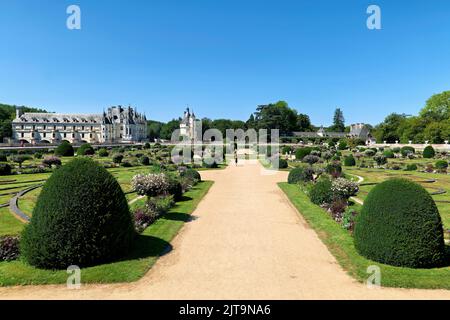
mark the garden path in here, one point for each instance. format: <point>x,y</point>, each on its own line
<point>246,241</point>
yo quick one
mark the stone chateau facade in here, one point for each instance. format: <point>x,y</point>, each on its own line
<point>188,125</point>
<point>117,125</point>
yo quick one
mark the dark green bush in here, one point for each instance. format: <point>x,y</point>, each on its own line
<point>191,174</point>
<point>300,153</point>
<point>389,154</point>
<point>334,169</point>
<point>145,161</point>
<point>321,192</point>
<point>286,150</point>
<point>175,189</point>
<point>103,153</point>
<point>81,218</point>
<point>300,174</point>
<point>428,152</point>
<point>411,167</point>
<point>406,150</point>
<point>65,149</point>
<point>349,161</point>
<point>3,157</point>
<point>441,165</point>
<point>400,225</point>
<point>126,164</point>
<point>5,169</point>
<point>117,158</point>
<point>342,145</point>
<point>85,150</point>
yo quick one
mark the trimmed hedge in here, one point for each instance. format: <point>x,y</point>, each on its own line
<point>389,154</point>
<point>191,174</point>
<point>349,161</point>
<point>65,149</point>
<point>441,164</point>
<point>85,150</point>
<point>300,174</point>
<point>81,218</point>
<point>300,153</point>
<point>407,149</point>
<point>103,153</point>
<point>321,192</point>
<point>428,152</point>
<point>400,225</point>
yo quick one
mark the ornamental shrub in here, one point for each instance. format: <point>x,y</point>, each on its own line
<point>441,165</point>
<point>300,174</point>
<point>411,167</point>
<point>400,225</point>
<point>300,153</point>
<point>117,158</point>
<point>3,157</point>
<point>145,161</point>
<point>343,188</point>
<point>65,149</point>
<point>406,150</point>
<point>342,145</point>
<point>85,150</point>
<point>282,164</point>
<point>389,154</point>
<point>51,160</point>
<point>311,159</point>
<point>174,187</point>
<point>192,174</point>
<point>369,153</point>
<point>321,192</point>
<point>286,149</point>
<point>380,159</point>
<point>9,248</point>
<point>349,161</point>
<point>103,153</point>
<point>428,152</point>
<point>81,218</point>
<point>152,184</point>
<point>334,169</point>
<point>5,169</point>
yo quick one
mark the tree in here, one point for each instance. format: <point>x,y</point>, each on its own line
<point>154,129</point>
<point>338,121</point>
<point>251,123</point>
<point>168,128</point>
<point>437,107</point>
<point>276,116</point>
<point>303,123</point>
<point>388,129</point>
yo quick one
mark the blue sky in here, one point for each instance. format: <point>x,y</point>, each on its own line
<point>224,57</point>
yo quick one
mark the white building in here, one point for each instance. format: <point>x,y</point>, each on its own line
<point>117,125</point>
<point>188,126</point>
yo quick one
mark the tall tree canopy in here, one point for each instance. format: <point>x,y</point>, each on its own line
<point>437,107</point>
<point>338,121</point>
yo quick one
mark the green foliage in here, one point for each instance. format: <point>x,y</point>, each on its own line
<point>300,153</point>
<point>342,145</point>
<point>321,192</point>
<point>65,149</point>
<point>174,188</point>
<point>300,174</point>
<point>20,158</point>
<point>5,169</point>
<point>428,152</point>
<point>282,164</point>
<point>102,152</point>
<point>3,157</point>
<point>407,150</point>
<point>334,169</point>
<point>349,161</point>
<point>389,154</point>
<point>117,158</point>
<point>85,150</point>
<point>400,225</point>
<point>145,161</point>
<point>81,217</point>
<point>441,164</point>
<point>437,107</point>
<point>191,174</point>
<point>411,167</point>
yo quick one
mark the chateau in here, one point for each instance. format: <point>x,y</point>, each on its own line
<point>357,131</point>
<point>188,125</point>
<point>117,125</point>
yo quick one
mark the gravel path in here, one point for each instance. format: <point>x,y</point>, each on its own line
<point>246,242</point>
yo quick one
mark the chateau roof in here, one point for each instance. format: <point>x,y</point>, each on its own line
<point>59,118</point>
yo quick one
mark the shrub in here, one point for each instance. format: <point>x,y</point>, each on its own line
<point>191,174</point>
<point>369,153</point>
<point>5,169</point>
<point>428,152</point>
<point>142,219</point>
<point>145,161</point>
<point>160,205</point>
<point>334,169</point>
<point>327,155</point>
<point>9,248</point>
<point>174,187</point>
<point>51,160</point>
<point>65,149</point>
<point>348,219</point>
<point>344,189</point>
<point>311,159</point>
<point>103,153</point>
<point>321,192</point>
<point>126,164</point>
<point>81,217</point>
<point>400,225</point>
<point>3,157</point>
<point>396,149</point>
<point>117,158</point>
<point>147,145</point>
<point>342,145</point>
<point>380,159</point>
<point>38,155</point>
<point>210,163</point>
<point>406,150</point>
<point>411,167</point>
<point>300,153</point>
<point>337,208</point>
<point>282,164</point>
<point>300,174</point>
<point>85,150</point>
<point>286,150</point>
<point>20,158</point>
<point>152,184</point>
<point>389,154</point>
<point>349,161</point>
<point>441,165</point>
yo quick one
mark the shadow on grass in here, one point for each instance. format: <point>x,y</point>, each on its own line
<point>185,198</point>
<point>147,246</point>
<point>178,216</point>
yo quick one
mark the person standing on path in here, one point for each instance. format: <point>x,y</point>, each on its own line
<point>235,157</point>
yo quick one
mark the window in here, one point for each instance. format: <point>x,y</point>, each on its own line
<point>82,135</point>
<point>82,128</point>
<point>53,135</point>
<point>21,135</point>
<point>65,135</point>
<point>21,127</point>
<point>45,134</point>
<point>45,127</point>
<point>90,135</point>
<point>65,127</point>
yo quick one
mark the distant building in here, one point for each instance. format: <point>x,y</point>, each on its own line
<point>117,125</point>
<point>357,131</point>
<point>188,125</point>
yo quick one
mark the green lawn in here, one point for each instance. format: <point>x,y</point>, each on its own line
<point>154,242</point>
<point>340,244</point>
<point>9,225</point>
